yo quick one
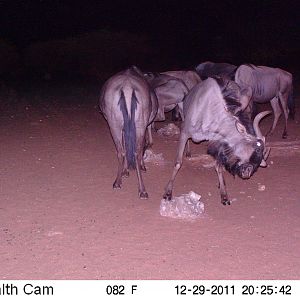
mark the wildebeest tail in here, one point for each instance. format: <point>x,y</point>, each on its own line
<point>129,128</point>
<point>291,105</point>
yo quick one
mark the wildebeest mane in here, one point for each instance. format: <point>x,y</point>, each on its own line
<point>250,65</point>
<point>231,93</point>
<point>224,155</point>
<point>135,69</point>
<point>152,74</point>
<point>246,120</point>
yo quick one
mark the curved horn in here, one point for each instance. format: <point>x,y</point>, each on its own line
<point>256,121</point>
<point>266,153</point>
<point>258,133</point>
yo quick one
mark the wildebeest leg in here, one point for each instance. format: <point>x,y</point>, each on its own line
<point>143,167</point>
<point>153,126</point>
<point>283,100</point>
<point>149,143</point>
<point>168,190</point>
<point>175,114</point>
<point>125,172</point>
<point>277,112</point>
<point>138,162</point>
<point>222,186</point>
<point>180,109</point>
<point>188,149</point>
<point>142,191</point>
<point>160,116</point>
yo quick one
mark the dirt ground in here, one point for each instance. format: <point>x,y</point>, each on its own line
<point>61,219</point>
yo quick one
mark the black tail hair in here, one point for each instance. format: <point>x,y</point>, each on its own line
<point>291,105</point>
<point>129,128</point>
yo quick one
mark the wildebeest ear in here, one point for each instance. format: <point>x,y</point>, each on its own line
<point>246,94</point>
<point>240,127</point>
<point>247,91</point>
<point>244,99</point>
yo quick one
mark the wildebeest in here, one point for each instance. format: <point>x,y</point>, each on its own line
<point>189,77</point>
<point>170,92</point>
<point>171,88</point>
<point>211,69</point>
<point>269,84</point>
<point>129,105</point>
<point>213,111</point>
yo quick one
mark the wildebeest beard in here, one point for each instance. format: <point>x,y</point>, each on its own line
<point>224,155</point>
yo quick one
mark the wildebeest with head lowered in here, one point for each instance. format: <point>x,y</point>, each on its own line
<point>129,105</point>
<point>213,111</point>
<point>269,84</point>
<point>211,69</point>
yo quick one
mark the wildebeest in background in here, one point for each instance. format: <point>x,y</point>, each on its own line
<point>269,84</point>
<point>170,88</point>
<point>190,78</point>
<point>170,92</point>
<point>211,69</point>
<point>129,105</point>
<point>213,111</point>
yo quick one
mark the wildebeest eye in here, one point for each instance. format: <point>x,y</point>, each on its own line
<point>258,150</point>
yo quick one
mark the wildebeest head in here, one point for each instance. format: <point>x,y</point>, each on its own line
<point>242,159</point>
<point>242,152</point>
<point>150,76</point>
<point>211,69</point>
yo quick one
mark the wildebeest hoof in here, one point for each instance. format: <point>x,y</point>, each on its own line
<point>284,136</point>
<point>143,168</point>
<point>116,186</point>
<point>188,154</point>
<point>125,173</point>
<point>149,146</point>
<point>143,195</point>
<point>269,133</point>
<point>167,196</point>
<point>226,202</point>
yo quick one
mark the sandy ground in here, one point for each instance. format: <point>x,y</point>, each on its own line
<point>61,219</point>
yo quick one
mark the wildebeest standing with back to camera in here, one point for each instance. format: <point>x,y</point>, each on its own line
<point>269,84</point>
<point>129,105</point>
<point>213,111</point>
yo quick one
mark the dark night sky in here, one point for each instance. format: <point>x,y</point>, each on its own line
<point>25,21</point>
<point>176,27</point>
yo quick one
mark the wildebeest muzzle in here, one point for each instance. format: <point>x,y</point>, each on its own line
<point>246,170</point>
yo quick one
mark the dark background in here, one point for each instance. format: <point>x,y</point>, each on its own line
<point>90,40</point>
